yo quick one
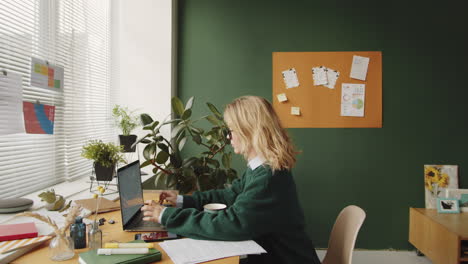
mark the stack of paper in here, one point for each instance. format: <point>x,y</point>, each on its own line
<point>325,76</point>
<point>186,251</point>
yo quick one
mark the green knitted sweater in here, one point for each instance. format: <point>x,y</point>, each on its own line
<point>262,206</point>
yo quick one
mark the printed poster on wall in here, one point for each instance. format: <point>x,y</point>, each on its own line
<point>39,118</point>
<point>45,75</point>
<point>352,99</point>
<point>11,103</point>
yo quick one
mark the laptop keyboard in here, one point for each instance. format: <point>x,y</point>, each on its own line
<point>139,222</point>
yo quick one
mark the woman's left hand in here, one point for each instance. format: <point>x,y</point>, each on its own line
<point>151,211</point>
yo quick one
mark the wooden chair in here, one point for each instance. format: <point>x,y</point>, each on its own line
<point>343,235</point>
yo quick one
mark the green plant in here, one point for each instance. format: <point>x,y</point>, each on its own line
<point>200,172</point>
<point>125,119</point>
<point>106,154</point>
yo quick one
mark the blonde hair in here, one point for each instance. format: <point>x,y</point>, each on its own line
<point>258,127</point>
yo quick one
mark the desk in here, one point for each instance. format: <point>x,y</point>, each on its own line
<point>439,236</point>
<point>109,233</point>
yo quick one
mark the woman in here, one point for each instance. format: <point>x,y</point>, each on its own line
<point>262,204</point>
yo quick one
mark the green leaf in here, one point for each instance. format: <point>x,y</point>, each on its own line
<point>177,106</point>
<point>163,147</point>
<point>171,121</point>
<point>214,110</point>
<point>213,162</point>
<point>197,139</point>
<point>226,161</point>
<point>182,143</point>
<point>148,127</point>
<point>159,182</point>
<point>146,119</point>
<point>187,113</point>
<point>154,125</point>
<point>146,141</point>
<point>196,130</point>
<point>162,157</point>
<point>190,161</point>
<point>189,103</point>
<point>155,170</point>
<point>176,130</point>
<point>149,151</point>
<point>175,160</point>
<point>213,120</point>
<point>146,163</point>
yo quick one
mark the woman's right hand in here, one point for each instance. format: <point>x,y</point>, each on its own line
<point>171,196</point>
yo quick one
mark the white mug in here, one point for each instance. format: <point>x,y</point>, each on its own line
<point>214,208</point>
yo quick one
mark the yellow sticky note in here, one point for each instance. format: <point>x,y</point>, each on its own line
<point>282,97</point>
<point>295,110</point>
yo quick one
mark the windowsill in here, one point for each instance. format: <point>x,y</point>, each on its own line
<point>70,190</point>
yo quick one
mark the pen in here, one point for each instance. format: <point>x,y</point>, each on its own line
<point>128,245</point>
<point>116,251</point>
<point>161,198</point>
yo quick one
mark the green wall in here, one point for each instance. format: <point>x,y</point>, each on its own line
<point>225,51</point>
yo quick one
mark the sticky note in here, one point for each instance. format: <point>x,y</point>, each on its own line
<point>359,67</point>
<point>295,110</point>
<point>282,97</point>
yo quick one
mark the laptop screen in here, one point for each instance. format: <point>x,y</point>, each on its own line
<point>131,195</point>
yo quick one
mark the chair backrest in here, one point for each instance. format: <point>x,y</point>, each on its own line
<point>343,235</point>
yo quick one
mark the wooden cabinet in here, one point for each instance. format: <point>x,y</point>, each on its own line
<point>443,238</point>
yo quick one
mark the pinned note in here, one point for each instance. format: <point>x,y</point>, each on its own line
<point>332,77</point>
<point>282,97</point>
<point>295,110</point>
<point>359,67</point>
<point>353,99</point>
<point>319,74</point>
<point>290,78</point>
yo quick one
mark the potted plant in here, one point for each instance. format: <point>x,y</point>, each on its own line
<point>200,172</point>
<point>127,122</point>
<point>105,157</point>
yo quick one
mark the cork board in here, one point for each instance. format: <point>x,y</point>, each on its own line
<point>319,105</point>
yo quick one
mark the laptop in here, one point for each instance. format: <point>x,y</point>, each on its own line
<point>131,199</point>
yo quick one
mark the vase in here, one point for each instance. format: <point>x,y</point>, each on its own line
<point>61,248</point>
<point>94,236</point>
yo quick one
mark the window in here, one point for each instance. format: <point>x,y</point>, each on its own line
<point>74,34</point>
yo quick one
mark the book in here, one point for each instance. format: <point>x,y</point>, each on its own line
<point>105,205</point>
<point>91,257</point>
<point>8,246</point>
<point>17,231</point>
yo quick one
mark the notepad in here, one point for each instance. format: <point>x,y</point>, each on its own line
<point>187,251</point>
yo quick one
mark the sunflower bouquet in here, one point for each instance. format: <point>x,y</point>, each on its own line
<point>435,178</point>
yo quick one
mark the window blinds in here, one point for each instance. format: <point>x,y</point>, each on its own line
<point>74,34</point>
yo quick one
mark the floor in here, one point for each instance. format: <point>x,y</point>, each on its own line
<point>384,257</point>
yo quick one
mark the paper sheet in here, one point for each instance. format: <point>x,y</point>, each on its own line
<point>332,77</point>
<point>282,97</point>
<point>352,99</point>
<point>290,78</point>
<point>359,67</point>
<point>319,74</point>
<point>39,118</point>
<point>45,75</point>
<point>11,103</point>
<point>184,251</point>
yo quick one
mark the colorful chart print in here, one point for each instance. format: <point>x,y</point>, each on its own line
<point>45,75</point>
<point>38,118</point>
<point>358,103</point>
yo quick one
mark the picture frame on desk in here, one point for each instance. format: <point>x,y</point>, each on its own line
<point>448,206</point>
<point>461,195</point>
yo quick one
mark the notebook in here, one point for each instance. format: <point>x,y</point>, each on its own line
<point>17,231</point>
<point>131,199</point>
<point>91,257</point>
